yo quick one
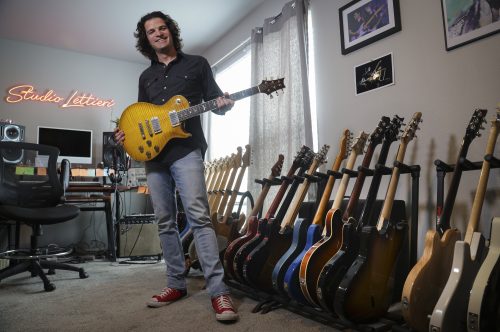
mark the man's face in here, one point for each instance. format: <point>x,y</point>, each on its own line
<point>159,36</point>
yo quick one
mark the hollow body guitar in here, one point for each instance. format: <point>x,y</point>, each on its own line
<point>248,228</point>
<point>336,267</point>
<point>316,255</point>
<point>450,312</point>
<point>300,166</point>
<point>301,228</point>
<point>365,291</point>
<point>150,127</point>
<point>259,264</point>
<point>426,280</point>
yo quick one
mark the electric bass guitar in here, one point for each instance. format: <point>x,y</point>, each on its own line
<point>427,278</point>
<point>450,312</point>
<point>148,127</point>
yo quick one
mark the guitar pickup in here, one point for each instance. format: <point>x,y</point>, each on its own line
<point>174,118</point>
<point>156,125</point>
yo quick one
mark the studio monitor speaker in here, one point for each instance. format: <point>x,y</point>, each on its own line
<point>139,239</point>
<point>113,155</point>
<point>10,132</point>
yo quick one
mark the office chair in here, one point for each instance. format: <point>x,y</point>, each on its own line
<point>34,200</point>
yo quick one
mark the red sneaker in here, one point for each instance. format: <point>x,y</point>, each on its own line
<point>167,296</point>
<point>224,309</point>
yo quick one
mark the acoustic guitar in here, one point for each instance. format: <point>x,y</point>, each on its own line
<point>150,127</point>
<point>427,278</point>
<point>484,302</point>
<point>317,255</point>
<point>300,165</point>
<point>259,263</point>
<point>302,228</point>
<point>365,292</point>
<point>450,312</point>
<point>332,272</point>
<point>245,229</point>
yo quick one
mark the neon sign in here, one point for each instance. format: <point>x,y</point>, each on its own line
<point>25,92</point>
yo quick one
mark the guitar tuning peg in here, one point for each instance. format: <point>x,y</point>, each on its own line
<point>271,96</point>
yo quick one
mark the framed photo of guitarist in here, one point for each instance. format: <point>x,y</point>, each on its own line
<point>466,21</point>
<point>363,22</point>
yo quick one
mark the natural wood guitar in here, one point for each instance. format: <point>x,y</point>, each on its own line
<point>221,206</point>
<point>148,127</point>
<point>365,291</point>
<point>450,312</point>
<point>427,278</point>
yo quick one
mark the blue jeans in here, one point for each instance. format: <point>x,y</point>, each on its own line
<point>187,174</point>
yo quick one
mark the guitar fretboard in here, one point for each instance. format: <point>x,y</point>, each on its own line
<point>211,105</point>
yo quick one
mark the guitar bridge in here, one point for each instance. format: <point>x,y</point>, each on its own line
<point>148,127</point>
<point>174,118</point>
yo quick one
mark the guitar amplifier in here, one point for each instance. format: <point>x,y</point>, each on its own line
<point>138,236</point>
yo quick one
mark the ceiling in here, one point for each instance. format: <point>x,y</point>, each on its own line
<point>105,27</point>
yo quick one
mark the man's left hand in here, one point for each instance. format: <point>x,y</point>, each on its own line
<point>224,104</point>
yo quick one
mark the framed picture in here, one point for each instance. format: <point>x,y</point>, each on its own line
<point>466,21</point>
<point>374,74</point>
<point>363,22</point>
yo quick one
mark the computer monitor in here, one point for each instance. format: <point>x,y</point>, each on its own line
<point>73,144</point>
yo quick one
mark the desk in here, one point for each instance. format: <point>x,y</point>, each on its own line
<point>105,199</point>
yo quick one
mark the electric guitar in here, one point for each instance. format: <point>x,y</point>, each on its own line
<point>302,228</point>
<point>230,250</point>
<point>427,278</point>
<point>301,163</point>
<point>450,312</point>
<point>333,271</point>
<point>150,127</point>
<point>484,302</point>
<point>259,263</point>
<point>365,291</point>
<point>213,195</point>
<point>221,206</point>
<point>317,255</point>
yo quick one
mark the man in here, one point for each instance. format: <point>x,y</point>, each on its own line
<point>180,163</point>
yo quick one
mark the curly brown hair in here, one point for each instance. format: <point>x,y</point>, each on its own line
<point>143,45</point>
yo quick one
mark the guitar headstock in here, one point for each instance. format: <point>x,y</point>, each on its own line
<point>238,157</point>
<point>270,86</point>
<point>391,133</point>
<point>276,169</point>
<point>246,156</point>
<point>299,158</point>
<point>475,125</point>
<point>377,135</point>
<point>307,159</point>
<point>359,143</point>
<point>411,128</point>
<point>320,157</point>
<point>345,144</point>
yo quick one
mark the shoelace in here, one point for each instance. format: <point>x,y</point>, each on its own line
<point>223,302</point>
<point>166,291</point>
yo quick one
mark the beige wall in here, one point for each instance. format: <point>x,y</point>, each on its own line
<point>445,86</point>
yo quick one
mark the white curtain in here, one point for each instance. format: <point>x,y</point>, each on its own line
<point>281,124</point>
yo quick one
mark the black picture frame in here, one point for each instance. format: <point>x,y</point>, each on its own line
<point>363,22</point>
<point>466,22</point>
<point>374,74</point>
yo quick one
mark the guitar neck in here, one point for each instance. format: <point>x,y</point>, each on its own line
<point>443,221</point>
<point>371,197</point>
<point>477,205</point>
<point>234,194</point>
<point>358,185</point>
<point>281,192</point>
<point>211,105</point>
<point>344,182</point>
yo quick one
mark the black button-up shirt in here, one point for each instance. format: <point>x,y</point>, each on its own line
<point>189,76</point>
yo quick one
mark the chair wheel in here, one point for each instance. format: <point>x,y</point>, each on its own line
<point>49,287</point>
<point>83,274</point>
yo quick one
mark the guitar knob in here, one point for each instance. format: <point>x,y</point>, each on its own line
<point>148,142</point>
<point>141,149</point>
<point>148,154</point>
<point>157,148</point>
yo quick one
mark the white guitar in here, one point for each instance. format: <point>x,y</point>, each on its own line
<point>450,312</point>
<point>484,310</point>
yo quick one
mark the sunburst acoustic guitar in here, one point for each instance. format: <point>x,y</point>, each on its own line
<point>150,127</point>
